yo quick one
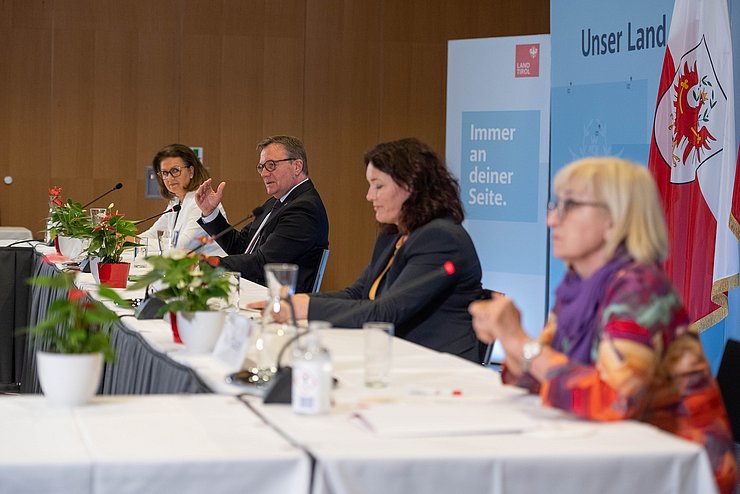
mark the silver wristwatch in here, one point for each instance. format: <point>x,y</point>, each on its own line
<point>530,350</point>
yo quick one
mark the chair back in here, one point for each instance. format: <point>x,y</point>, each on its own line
<point>320,271</point>
<point>486,350</point>
<point>728,378</point>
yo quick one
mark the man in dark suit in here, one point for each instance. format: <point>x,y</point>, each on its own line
<point>292,227</point>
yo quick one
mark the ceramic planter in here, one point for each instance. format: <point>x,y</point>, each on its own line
<point>69,379</point>
<point>200,330</point>
<point>115,275</point>
<point>70,247</point>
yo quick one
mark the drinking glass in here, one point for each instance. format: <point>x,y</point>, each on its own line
<point>378,338</point>
<point>165,241</point>
<point>281,281</point>
<point>97,215</point>
<point>234,278</point>
<point>140,252</point>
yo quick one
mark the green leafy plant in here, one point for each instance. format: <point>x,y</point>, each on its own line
<point>76,323</point>
<point>109,239</point>
<point>70,220</point>
<point>186,282</point>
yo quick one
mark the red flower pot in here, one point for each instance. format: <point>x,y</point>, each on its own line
<point>115,275</point>
<point>56,245</point>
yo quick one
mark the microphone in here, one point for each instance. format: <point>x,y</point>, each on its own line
<point>173,209</point>
<point>280,385</point>
<point>255,212</point>
<point>117,186</point>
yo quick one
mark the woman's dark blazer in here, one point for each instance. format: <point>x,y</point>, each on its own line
<point>434,314</point>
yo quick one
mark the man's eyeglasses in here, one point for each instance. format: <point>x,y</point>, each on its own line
<point>562,208</point>
<point>174,172</point>
<point>270,165</point>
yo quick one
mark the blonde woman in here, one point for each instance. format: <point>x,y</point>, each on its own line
<point>617,344</point>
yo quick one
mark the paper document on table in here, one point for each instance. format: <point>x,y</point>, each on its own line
<point>442,419</point>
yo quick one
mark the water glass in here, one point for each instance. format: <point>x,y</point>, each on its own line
<point>165,241</point>
<point>281,281</point>
<point>378,338</point>
<point>97,215</point>
<point>234,278</point>
<point>140,252</point>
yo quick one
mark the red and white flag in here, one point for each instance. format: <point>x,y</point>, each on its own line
<point>694,159</point>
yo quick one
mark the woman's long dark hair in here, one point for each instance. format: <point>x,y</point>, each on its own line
<point>435,193</point>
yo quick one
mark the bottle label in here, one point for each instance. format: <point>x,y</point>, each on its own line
<point>310,392</point>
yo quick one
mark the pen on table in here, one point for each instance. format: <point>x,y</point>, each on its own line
<point>423,391</point>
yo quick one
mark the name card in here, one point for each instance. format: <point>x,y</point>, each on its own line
<point>231,347</point>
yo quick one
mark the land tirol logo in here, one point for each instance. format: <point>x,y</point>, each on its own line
<point>527,62</point>
<point>696,104</point>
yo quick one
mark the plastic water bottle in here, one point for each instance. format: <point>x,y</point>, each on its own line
<point>312,369</point>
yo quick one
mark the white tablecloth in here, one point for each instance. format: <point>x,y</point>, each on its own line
<point>485,437</point>
<point>549,451</point>
<point>15,233</point>
<point>158,444</point>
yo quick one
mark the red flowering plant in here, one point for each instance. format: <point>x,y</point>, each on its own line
<point>69,219</point>
<point>54,196</point>
<point>75,323</point>
<point>186,282</point>
<point>110,237</point>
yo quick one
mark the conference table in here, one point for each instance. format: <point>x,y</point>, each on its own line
<point>442,425</point>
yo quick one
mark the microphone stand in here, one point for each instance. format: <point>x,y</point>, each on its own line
<point>117,186</point>
<point>173,209</point>
<point>255,212</point>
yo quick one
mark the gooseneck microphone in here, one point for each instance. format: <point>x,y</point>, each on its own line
<point>280,385</point>
<point>117,186</point>
<point>255,212</point>
<point>173,209</point>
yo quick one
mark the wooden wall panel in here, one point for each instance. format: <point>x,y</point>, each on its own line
<point>283,67</point>
<point>6,16</point>
<point>71,117</point>
<point>93,88</point>
<point>30,131</point>
<point>342,122</point>
<point>114,117</point>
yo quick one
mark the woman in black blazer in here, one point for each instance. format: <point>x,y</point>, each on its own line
<point>417,202</point>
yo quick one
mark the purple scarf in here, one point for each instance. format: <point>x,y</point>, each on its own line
<point>577,302</point>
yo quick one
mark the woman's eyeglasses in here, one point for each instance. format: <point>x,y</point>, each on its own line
<point>173,172</point>
<point>563,207</point>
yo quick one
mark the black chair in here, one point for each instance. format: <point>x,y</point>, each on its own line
<point>728,378</point>
<point>485,350</point>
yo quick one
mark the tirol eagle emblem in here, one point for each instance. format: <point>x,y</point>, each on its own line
<point>690,115</point>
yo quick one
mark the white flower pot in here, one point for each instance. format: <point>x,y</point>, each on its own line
<point>200,330</point>
<point>71,247</point>
<point>69,379</point>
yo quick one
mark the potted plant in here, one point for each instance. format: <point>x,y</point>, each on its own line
<point>72,341</point>
<point>70,226</point>
<point>193,289</point>
<point>108,240</point>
